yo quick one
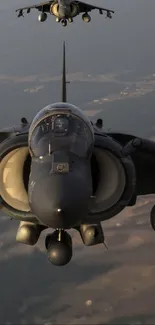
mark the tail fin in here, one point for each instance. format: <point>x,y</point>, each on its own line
<point>64,91</point>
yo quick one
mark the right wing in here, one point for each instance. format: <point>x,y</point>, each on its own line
<point>44,6</point>
<point>86,7</point>
<point>143,156</point>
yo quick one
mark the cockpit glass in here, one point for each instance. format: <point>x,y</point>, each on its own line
<point>61,132</point>
<point>61,124</point>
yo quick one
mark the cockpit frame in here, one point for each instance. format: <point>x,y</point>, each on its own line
<point>59,109</point>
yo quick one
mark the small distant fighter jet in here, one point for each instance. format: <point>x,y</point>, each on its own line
<point>64,10</point>
<point>63,172</point>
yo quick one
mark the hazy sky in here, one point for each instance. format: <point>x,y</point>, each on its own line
<point>125,42</point>
<point>29,47</point>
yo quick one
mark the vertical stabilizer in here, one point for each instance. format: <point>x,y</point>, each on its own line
<point>64,92</point>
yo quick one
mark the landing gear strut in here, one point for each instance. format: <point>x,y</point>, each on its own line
<point>70,20</point>
<point>59,247</point>
<point>91,234</point>
<point>57,19</point>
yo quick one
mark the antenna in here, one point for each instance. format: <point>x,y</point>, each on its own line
<point>64,82</point>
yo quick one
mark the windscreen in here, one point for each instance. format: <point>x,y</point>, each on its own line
<point>61,132</point>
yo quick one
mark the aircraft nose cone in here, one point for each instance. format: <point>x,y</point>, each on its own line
<point>58,201</point>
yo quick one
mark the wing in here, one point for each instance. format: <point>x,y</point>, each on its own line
<point>44,6</point>
<point>7,132</point>
<point>142,152</point>
<point>86,7</point>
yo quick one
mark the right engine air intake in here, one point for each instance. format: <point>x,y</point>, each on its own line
<point>114,179</point>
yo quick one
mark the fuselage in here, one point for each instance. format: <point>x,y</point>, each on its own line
<point>61,140</point>
<point>64,8</point>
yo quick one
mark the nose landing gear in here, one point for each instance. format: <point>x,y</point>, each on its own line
<point>59,243</point>
<point>59,247</point>
<point>64,22</point>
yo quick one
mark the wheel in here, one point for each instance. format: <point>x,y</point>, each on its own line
<point>59,251</point>
<point>64,22</point>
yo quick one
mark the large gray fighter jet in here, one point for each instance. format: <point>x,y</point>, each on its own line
<point>64,10</point>
<point>62,172</point>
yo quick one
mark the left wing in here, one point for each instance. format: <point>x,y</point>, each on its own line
<point>86,7</point>
<point>43,6</point>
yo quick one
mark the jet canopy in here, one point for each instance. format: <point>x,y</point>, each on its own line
<point>61,126</point>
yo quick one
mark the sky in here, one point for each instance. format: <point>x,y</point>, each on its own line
<point>102,46</point>
<point>125,42</point>
<point>32,291</point>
